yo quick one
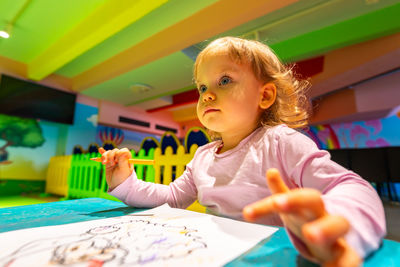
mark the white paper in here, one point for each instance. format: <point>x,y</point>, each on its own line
<point>160,236</point>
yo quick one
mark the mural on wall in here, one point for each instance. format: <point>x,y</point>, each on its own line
<point>86,135</point>
<point>32,149</point>
<point>363,134</point>
<point>83,132</point>
<point>18,132</point>
<point>28,146</point>
<point>110,138</point>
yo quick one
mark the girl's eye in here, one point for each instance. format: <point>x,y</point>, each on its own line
<point>202,88</point>
<point>225,80</point>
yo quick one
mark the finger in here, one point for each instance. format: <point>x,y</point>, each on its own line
<point>326,230</point>
<point>103,157</point>
<point>345,256</point>
<point>275,182</point>
<point>263,207</point>
<point>304,202</point>
<point>110,157</point>
<point>122,156</point>
<point>266,206</point>
<point>125,155</point>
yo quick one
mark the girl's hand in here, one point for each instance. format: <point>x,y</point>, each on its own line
<point>118,169</point>
<point>302,211</point>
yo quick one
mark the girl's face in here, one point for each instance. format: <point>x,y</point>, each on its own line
<point>229,96</point>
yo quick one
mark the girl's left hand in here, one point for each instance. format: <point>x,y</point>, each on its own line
<point>302,211</point>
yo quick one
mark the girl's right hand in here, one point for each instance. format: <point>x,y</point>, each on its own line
<point>303,212</point>
<point>118,168</point>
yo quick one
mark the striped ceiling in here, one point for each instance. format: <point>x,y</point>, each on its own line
<point>103,48</point>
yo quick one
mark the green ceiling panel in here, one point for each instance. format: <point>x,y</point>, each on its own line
<point>103,23</point>
<point>37,31</point>
<point>155,74</point>
<point>170,13</point>
<point>366,27</point>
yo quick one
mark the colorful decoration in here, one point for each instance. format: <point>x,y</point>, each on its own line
<point>373,133</point>
<point>169,139</point>
<point>78,149</point>
<point>324,136</point>
<point>110,137</point>
<point>148,143</point>
<point>196,135</point>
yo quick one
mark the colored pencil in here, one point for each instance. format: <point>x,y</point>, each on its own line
<point>134,161</point>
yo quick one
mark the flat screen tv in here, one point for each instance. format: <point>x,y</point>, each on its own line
<point>31,100</point>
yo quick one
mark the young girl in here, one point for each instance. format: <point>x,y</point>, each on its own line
<point>252,103</point>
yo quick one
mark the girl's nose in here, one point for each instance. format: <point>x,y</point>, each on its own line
<point>208,96</point>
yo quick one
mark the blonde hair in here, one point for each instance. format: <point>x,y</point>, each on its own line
<point>291,105</point>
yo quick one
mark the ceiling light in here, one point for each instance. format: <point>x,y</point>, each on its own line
<point>6,32</point>
<point>140,87</point>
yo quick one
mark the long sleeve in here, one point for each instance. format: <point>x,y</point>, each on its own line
<point>178,194</point>
<point>344,192</point>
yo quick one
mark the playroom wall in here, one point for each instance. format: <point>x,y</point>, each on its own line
<point>25,168</point>
<point>28,166</point>
<point>359,134</point>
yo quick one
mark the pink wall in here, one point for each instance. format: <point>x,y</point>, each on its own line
<point>109,114</point>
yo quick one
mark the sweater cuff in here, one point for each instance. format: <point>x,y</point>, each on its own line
<point>122,190</point>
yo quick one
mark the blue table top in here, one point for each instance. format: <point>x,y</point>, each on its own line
<point>275,251</point>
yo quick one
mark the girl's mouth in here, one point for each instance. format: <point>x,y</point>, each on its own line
<point>210,110</point>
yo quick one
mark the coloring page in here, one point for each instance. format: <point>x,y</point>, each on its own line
<point>160,236</point>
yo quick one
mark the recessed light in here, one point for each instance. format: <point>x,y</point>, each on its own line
<point>4,34</point>
<point>140,87</point>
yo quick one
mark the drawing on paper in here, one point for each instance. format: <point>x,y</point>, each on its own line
<point>160,236</point>
<point>125,243</point>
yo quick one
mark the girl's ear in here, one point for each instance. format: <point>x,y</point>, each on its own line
<point>267,95</point>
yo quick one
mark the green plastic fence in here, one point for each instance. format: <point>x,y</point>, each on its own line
<point>86,178</point>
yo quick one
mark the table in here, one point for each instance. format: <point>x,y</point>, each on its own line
<point>275,251</point>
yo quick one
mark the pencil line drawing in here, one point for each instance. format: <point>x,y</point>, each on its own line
<point>127,243</point>
<point>162,236</point>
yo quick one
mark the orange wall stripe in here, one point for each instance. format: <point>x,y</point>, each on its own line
<point>214,19</point>
<point>348,58</point>
<point>12,67</point>
<point>339,104</point>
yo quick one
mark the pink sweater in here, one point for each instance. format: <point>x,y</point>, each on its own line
<point>225,183</point>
